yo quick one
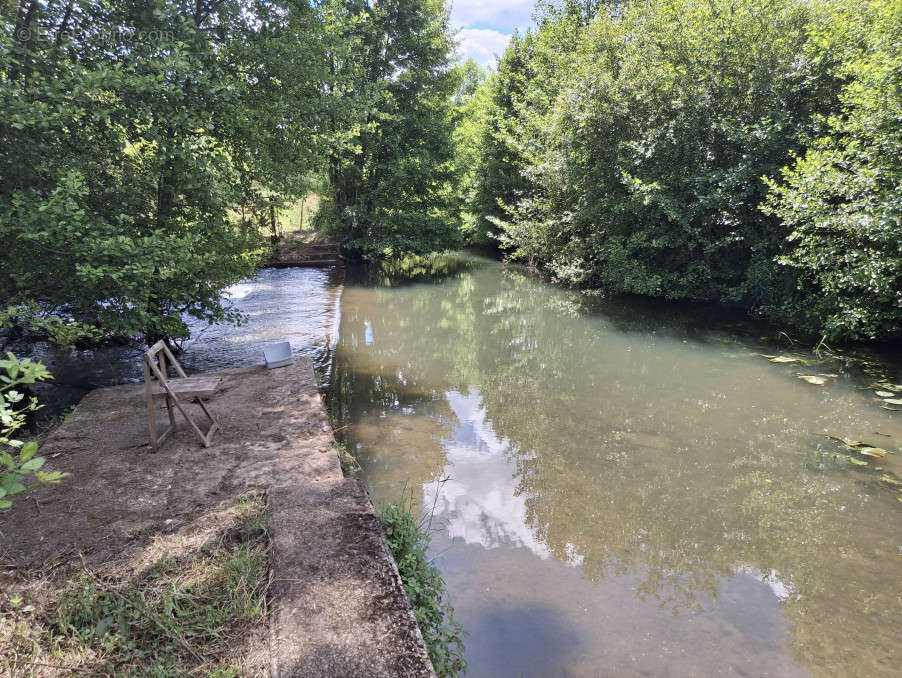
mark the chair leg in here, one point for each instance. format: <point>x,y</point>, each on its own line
<point>151,409</point>
<point>205,438</point>
<point>171,411</point>
<point>213,425</point>
<point>206,411</point>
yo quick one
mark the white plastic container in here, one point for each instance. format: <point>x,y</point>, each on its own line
<point>278,355</point>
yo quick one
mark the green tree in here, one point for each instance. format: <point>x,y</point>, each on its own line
<point>842,199</point>
<point>138,157</point>
<point>497,164</point>
<point>390,157</point>
<point>631,146</point>
<point>649,181</point>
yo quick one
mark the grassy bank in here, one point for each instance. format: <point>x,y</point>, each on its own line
<point>193,610</point>
<point>408,538</point>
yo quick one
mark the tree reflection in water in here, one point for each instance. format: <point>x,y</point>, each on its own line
<point>626,442</point>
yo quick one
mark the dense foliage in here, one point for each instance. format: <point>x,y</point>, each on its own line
<point>390,155</point>
<point>129,130</point>
<point>649,147</point>
<point>146,146</point>
<point>743,151</point>
<point>843,198</point>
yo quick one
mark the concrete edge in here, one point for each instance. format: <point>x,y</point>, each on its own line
<point>396,577</point>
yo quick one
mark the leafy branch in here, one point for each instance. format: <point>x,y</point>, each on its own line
<point>20,467</point>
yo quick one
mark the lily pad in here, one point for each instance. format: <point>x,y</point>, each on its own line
<point>893,401</point>
<point>814,379</point>
<point>884,394</point>
<point>857,462</point>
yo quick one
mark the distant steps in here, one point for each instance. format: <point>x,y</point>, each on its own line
<point>290,253</point>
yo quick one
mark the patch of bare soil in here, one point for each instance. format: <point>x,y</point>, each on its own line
<point>336,606</point>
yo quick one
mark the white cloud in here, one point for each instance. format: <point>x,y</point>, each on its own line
<point>482,44</point>
<point>500,14</point>
<point>480,503</point>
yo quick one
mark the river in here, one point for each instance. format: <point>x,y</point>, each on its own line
<point>616,487</point>
<point>621,488</point>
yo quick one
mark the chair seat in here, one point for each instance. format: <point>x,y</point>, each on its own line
<point>190,387</point>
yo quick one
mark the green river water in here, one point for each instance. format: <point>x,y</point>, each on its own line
<point>619,489</point>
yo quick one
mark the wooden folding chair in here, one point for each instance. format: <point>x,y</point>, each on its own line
<point>175,391</point>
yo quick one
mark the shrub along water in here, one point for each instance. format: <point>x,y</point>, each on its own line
<point>744,151</point>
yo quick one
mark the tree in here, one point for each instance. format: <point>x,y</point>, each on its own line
<point>842,199</point>
<point>390,157</point>
<point>630,147</point>
<point>136,157</point>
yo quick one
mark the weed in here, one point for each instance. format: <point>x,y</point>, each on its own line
<point>349,464</point>
<point>408,540</point>
<point>180,616</point>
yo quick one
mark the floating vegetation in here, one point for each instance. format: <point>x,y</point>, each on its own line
<point>813,379</point>
<point>817,379</point>
<point>848,442</point>
<point>868,452</point>
<point>782,358</point>
<point>889,393</point>
<point>862,448</point>
<point>873,452</point>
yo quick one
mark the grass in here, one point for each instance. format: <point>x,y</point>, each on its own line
<point>183,615</point>
<point>408,538</point>
<point>300,215</point>
<point>349,464</point>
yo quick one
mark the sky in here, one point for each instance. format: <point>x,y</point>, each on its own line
<point>485,26</point>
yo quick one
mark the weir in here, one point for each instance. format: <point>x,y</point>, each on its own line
<point>295,252</point>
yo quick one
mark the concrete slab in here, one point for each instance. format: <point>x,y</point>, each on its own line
<point>338,605</point>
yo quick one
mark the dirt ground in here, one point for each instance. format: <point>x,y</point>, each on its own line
<point>337,607</point>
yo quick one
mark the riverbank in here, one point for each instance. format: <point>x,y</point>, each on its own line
<point>332,601</point>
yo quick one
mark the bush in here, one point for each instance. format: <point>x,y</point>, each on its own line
<point>20,467</point>
<point>842,198</point>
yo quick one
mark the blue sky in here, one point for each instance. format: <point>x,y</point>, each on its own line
<point>485,26</point>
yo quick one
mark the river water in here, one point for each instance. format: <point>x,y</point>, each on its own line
<point>297,305</point>
<point>616,488</point>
